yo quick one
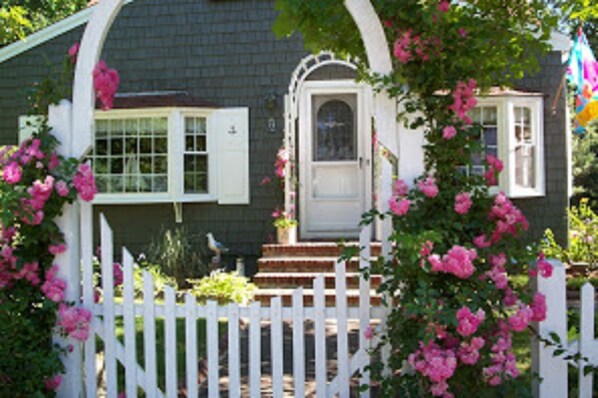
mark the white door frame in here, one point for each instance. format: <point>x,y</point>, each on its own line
<point>364,140</point>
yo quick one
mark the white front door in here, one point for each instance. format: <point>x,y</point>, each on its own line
<point>334,159</point>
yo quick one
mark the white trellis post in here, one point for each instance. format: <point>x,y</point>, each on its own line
<point>69,122</point>
<point>59,119</point>
<point>379,60</point>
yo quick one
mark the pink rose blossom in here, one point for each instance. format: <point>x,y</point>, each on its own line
<point>54,162</point>
<point>401,47</point>
<point>368,333</point>
<point>449,132</point>
<point>30,272</point>
<point>444,5</point>
<point>57,249</point>
<point>434,362</point>
<point>118,275</point>
<point>458,261</point>
<point>84,182</point>
<point>464,100</point>
<point>521,319</point>
<point>469,353</point>
<point>544,267</point>
<point>400,188</point>
<point>468,321</point>
<point>265,181</point>
<point>481,241</point>
<point>61,188</point>
<point>428,187</point>
<point>52,383</point>
<point>105,83</point>
<point>74,52</point>
<point>74,321</point>
<point>12,173</point>
<point>53,288</point>
<point>463,33</point>
<point>399,208</point>
<point>463,202</point>
<point>538,307</point>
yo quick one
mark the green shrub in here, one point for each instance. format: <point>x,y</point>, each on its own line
<point>223,287</point>
<point>583,235</point>
<point>180,254</point>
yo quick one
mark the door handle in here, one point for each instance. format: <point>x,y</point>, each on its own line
<point>360,162</point>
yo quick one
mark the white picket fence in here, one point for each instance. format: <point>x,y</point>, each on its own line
<point>257,317</point>
<point>554,369</point>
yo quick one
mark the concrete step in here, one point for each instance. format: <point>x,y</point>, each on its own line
<point>312,249</point>
<point>265,295</point>
<point>306,279</point>
<point>302,264</point>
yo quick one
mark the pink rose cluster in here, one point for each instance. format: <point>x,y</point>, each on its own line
<point>469,353</point>
<point>105,83</point>
<point>498,273</point>
<point>463,203</point>
<point>428,187</point>
<point>458,261</point>
<point>503,360</point>
<point>437,364</point>
<point>464,100</point>
<point>53,287</point>
<point>495,166</point>
<point>282,158</point>
<point>542,267</point>
<point>84,182</point>
<point>398,204</point>
<point>409,46</point>
<point>468,322</point>
<point>508,218</point>
<point>74,321</point>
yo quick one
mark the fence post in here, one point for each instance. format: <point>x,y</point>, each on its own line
<point>59,120</point>
<point>551,370</point>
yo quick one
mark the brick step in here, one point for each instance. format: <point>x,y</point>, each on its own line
<point>312,249</point>
<point>265,295</point>
<point>306,279</point>
<point>302,264</point>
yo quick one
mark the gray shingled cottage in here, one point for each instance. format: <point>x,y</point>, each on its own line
<point>165,155</point>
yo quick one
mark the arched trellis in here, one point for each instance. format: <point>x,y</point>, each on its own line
<point>76,123</point>
<point>304,69</point>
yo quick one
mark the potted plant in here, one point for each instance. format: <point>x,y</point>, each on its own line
<point>286,228</point>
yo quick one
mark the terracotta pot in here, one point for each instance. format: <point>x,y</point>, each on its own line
<point>286,236</point>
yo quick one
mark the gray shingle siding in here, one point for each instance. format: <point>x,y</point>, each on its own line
<point>550,211</point>
<point>225,52</point>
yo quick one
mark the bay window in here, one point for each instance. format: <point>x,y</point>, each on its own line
<point>171,155</point>
<point>512,129</point>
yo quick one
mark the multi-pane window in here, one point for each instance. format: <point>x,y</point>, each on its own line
<point>512,130</point>
<point>196,155</point>
<point>487,118</point>
<point>524,147</point>
<point>131,155</point>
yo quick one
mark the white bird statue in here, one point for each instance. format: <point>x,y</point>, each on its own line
<point>217,247</point>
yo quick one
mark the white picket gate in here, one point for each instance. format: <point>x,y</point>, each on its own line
<point>146,377</point>
<point>554,369</point>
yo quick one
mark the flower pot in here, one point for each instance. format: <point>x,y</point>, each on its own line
<point>287,236</point>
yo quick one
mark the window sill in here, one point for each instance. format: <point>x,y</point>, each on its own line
<point>138,199</point>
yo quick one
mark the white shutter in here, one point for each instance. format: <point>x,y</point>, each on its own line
<point>230,129</point>
<point>28,125</point>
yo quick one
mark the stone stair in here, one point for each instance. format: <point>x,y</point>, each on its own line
<point>284,268</point>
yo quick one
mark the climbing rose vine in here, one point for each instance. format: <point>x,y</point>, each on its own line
<point>455,306</point>
<point>35,185</point>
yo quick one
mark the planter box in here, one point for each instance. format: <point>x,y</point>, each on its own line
<point>286,236</point>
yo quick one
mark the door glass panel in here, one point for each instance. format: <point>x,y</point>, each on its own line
<point>335,135</point>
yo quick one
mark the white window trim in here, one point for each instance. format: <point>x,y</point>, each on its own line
<point>176,138</point>
<point>506,142</point>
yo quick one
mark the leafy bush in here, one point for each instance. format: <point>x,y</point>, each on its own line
<point>180,254</point>
<point>223,287</point>
<point>583,235</point>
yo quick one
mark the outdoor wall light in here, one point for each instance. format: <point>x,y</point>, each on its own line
<point>271,103</point>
